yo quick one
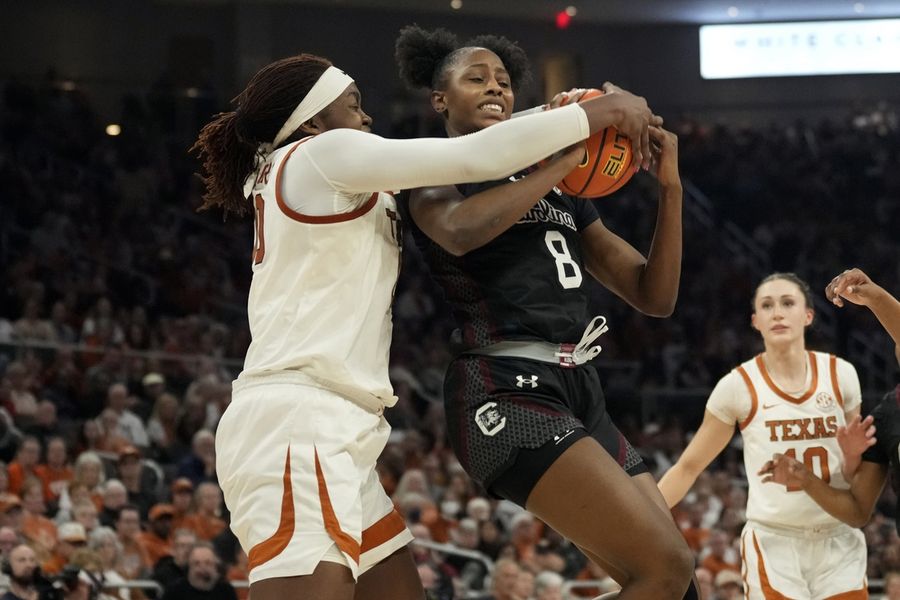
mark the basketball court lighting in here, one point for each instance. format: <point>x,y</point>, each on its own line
<point>733,11</point>
<point>113,129</point>
<point>571,11</point>
<point>859,7</point>
<point>456,4</point>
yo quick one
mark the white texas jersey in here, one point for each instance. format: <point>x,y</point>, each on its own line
<point>320,299</point>
<point>802,425</point>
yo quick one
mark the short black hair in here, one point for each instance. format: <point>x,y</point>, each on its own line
<point>425,56</point>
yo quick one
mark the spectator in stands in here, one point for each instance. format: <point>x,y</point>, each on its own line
<point>729,585</point>
<point>205,520</point>
<point>45,423</point>
<point>153,386</point>
<point>718,555</point>
<point>105,543</point>
<point>89,471</point>
<point>59,323</point>
<point>140,483</point>
<point>31,326</point>
<point>503,581</point>
<point>135,563</point>
<point>85,512</point>
<point>115,496</point>
<point>130,426</point>
<point>23,466</point>
<point>203,579</point>
<point>22,566</point>
<point>70,537</point>
<point>163,427</point>
<point>892,585</point>
<point>524,585</point>
<point>200,464</point>
<point>22,402</point>
<point>172,568</point>
<point>55,473</point>
<point>155,539</point>
<point>11,512</point>
<point>182,499</point>
<point>548,586</point>
<point>37,528</point>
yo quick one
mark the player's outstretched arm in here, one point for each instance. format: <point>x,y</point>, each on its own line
<point>712,437</point>
<point>853,506</point>
<point>855,286</point>
<point>460,225</point>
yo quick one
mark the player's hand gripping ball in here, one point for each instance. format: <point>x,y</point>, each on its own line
<point>607,165</point>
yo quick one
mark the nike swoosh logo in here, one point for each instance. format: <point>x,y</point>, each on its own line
<point>768,406</point>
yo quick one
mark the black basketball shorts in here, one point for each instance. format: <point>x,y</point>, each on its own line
<point>509,419</point>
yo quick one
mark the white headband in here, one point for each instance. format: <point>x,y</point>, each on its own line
<point>326,90</point>
<point>330,85</point>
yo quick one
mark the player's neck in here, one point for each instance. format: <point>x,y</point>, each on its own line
<point>788,363</point>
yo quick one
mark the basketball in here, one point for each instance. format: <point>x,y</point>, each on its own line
<point>608,163</point>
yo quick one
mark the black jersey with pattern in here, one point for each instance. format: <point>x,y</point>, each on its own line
<point>526,284</point>
<point>886,450</point>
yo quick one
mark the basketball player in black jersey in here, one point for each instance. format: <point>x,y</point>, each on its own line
<point>524,406</point>
<point>878,454</point>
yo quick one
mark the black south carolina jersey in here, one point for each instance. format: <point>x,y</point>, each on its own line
<point>526,284</point>
<point>886,450</point>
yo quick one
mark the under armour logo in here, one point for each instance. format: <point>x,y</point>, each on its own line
<point>531,382</point>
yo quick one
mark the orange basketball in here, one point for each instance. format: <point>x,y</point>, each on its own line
<point>608,164</point>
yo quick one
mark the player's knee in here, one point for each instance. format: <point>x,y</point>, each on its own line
<point>678,568</point>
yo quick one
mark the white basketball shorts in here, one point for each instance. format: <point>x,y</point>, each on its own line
<point>815,566</point>
<point>296,464</point>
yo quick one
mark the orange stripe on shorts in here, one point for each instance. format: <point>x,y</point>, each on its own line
<point>275,545</point>
<point>382,530</point>
<point>344,542</point>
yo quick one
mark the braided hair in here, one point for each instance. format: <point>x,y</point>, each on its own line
<point>228,144</point>
<point>426,57</point>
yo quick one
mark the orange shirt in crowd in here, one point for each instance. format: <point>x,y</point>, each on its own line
<point>17,476</point>
<point>54,565</point>
<point>54,478</point>
<point>155,546</point>
<point>205,527</point>
<point>41,531</point>
<point>695,537</point>
<point>134,561</point>
<point>714,565</point>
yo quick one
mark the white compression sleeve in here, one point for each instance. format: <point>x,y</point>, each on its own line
<point>356,162</point>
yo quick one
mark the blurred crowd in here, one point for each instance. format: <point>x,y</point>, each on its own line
<point>122,325</point>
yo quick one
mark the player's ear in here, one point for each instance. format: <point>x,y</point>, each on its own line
<point>753,321</point>
<point>439,101</point>
<point>810,316</point>
<point>311,127</point>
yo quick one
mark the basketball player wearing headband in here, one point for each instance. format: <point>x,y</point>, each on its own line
<point>524,404</point>
<point>296,448</point>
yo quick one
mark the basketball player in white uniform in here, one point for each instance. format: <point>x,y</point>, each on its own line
<point>296,449</point>
<point>787,400</point>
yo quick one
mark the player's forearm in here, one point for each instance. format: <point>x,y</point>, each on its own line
<point>482,217</point>
<point>850,465</point>
<point>661,276</point>
<point>840,504</point>
<point>676,483</point>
